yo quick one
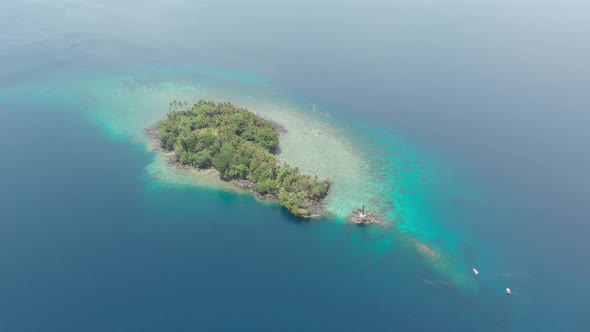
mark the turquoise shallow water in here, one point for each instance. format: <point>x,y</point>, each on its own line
<point>367,165</point>
<point>107,239</point>
<point>466,124</point>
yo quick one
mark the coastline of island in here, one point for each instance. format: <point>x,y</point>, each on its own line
<point>238,147</point>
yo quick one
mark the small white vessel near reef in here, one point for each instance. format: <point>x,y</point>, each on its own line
<point>508,291</point>
<point>475,271</point>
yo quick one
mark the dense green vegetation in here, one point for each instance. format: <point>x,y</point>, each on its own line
<point>240,145</point>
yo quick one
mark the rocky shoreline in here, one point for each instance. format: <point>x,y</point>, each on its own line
<point>152,133</point>
<point>357,217</point>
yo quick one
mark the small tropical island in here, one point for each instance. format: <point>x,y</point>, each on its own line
<point>242,148</point>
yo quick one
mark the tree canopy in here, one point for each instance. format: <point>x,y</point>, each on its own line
<point>240,145</point>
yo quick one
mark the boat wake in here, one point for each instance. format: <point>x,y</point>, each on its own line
<point>444,282</point>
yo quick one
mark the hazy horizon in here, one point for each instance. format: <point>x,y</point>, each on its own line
<point>489,95</point>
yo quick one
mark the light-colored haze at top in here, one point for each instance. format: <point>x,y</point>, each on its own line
<point>498,86</point>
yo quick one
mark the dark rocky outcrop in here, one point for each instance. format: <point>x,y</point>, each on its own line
<point>152,133</point>
<point>358,217</point>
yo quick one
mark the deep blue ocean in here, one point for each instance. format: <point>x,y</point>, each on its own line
<point>479,110</point>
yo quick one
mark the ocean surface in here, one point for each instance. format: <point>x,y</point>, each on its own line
<point>465,123</point>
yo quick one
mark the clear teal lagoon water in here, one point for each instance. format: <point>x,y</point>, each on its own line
<point>466,128</point>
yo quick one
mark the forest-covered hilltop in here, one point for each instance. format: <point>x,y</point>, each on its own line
<point>241,146</point>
